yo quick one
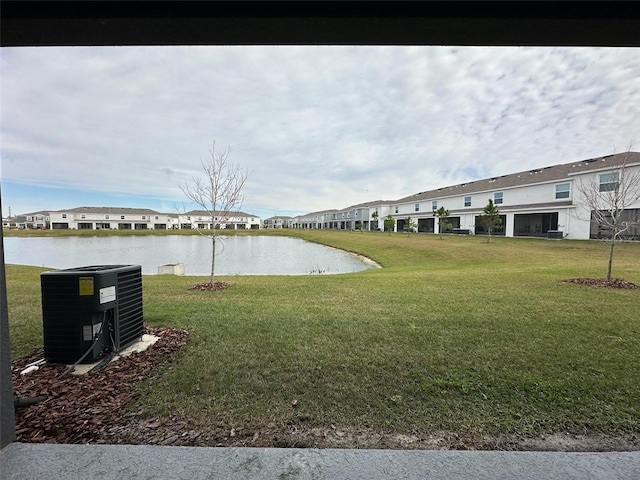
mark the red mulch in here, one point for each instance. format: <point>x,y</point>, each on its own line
<point>86,408</point>
<point>602,282</point>
<point>210,286</point>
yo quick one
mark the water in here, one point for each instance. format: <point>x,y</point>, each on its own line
<point>241,255</point>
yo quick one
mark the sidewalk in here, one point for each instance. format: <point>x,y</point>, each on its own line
<point>30,461</point>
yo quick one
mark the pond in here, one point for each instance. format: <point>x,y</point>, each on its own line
<point>241,255</point>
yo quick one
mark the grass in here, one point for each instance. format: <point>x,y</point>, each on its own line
<point>453,334</point>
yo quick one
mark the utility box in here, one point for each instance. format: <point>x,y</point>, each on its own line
<point>90,311</point>
<point>555,234</point>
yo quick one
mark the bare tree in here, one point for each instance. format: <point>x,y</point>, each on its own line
<point>219,194</point>
<point>606,196</point>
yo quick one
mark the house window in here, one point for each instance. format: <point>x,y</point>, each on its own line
<point>562,190</point>
<point>106,217</point>
<point>121,217</point>
<point>417,207</point>
<point>498,198</point>
<point>144,217</point>
<point>64,215</point>
<point>609,181</point>
<point>396,209</point>
<point>156,217</point>
<point>83,216</point>
<point>467,201</point>
<point>434,205</point>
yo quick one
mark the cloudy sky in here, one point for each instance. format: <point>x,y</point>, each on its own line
<point>317,127</point>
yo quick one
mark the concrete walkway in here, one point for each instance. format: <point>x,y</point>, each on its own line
<point>29,461</point>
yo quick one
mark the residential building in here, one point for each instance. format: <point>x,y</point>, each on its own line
<point>278,221</point>
<point>116,218</point>
<point>202,219</point>
<point>531,203</point>
<point>38,220</point>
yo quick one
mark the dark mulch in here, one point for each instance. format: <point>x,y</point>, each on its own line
<point>210,286</point>
<point>85,408</point>
<point>602,282</point>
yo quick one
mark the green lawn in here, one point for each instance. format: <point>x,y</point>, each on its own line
<point>453,334</point>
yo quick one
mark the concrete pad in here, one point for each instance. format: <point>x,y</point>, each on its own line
<point>70,462</point>
<point>139,346</point>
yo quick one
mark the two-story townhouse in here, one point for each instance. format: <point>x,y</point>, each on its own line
<point>359,216</point>
<point>98,218</point>
<point>313,220</point>
<point>40,219</point>
<point>531,203</point>
<point>278,221</point>
<point>203,220</point>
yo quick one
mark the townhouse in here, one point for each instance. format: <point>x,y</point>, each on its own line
<point>120,218</point>
<point>38,219</point>
<point>278,221</point>
<point>544,202</point>
<point>202,219</point>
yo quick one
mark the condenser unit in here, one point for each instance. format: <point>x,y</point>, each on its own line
<point>90,311</point>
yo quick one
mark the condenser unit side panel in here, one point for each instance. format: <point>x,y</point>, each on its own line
<point>130,326</point>
<point>62,339</point>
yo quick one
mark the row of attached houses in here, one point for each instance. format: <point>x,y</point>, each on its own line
<point>536,203</point>
<point>121,218</point>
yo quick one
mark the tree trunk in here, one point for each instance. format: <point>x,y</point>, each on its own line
<point>213,258</point>
<point>613,243</point>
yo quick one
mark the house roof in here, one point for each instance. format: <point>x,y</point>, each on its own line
<point>128,210</point>
<point>205,213</point>
<point>31,214</point>
<point>527,177</point>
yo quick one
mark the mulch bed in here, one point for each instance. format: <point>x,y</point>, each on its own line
<point>210,286</point>
<point>85,408</point>
<point>602,282</point>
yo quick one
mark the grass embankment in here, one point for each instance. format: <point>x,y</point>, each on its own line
<point>453,334</point>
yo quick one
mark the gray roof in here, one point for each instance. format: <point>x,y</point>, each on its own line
<point>31,214</point>
<point>205,213</point>
<point>145,211</point>
<point>526,177</point>
<point>540,175</point>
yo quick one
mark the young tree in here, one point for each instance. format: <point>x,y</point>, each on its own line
<point>219,194</point>
<point>409,225</point>
<point>389,222</point>
<point>443,220</point>
<point>374,215</point>
<point>606,196</point>
<point>490,219</point>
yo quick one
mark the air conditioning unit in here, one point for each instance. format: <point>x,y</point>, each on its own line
<point>90,311</point>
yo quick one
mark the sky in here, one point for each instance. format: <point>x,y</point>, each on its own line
<point>316,127</point>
